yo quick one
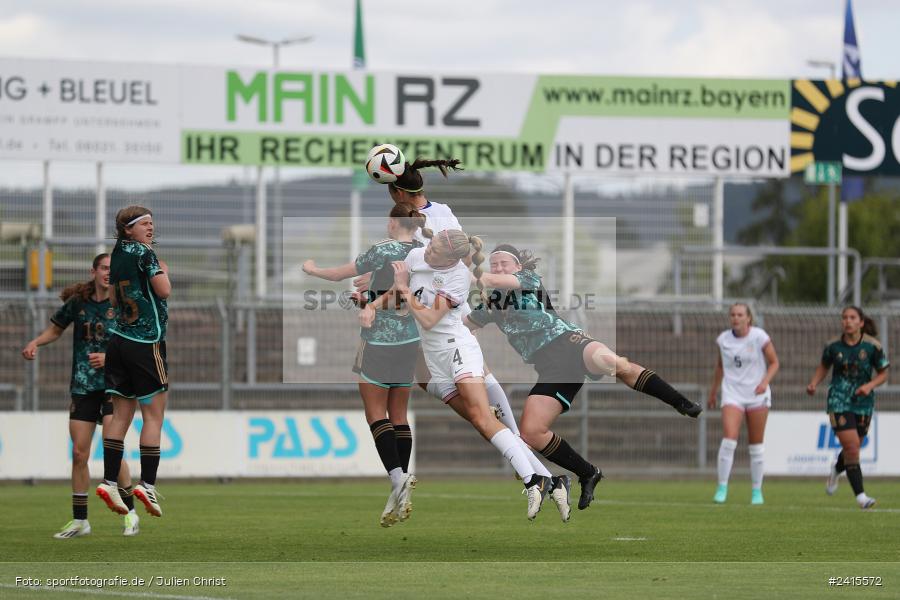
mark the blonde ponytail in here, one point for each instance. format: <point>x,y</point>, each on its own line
<point>477,245</point>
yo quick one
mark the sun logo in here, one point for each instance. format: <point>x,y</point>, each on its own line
<point>811,102</point>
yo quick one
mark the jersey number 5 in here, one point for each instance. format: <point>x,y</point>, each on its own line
<point>129,312</point>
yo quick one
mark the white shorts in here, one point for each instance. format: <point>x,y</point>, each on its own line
<point>449,366</point>
<point>745,405</point>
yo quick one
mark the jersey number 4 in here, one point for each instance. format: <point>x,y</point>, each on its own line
<point>457,358</point>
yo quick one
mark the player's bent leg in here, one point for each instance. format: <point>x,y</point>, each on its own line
<point>648,382</point>
<point>600,360</point>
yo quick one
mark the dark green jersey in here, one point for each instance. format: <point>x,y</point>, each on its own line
<point>93,321</point>
<point>524,316</point>
<point>853,366</point>
<point>389,327</point>
<point>140,315</point>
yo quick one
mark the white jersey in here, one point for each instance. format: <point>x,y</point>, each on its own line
<point>744,365</point>
<point>438,217</point>
<point>453,283</point>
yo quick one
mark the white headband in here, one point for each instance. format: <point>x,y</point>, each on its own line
<point>136,219</point>
<point>505,252</point>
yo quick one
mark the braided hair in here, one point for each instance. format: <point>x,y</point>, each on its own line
<point>411,181</point>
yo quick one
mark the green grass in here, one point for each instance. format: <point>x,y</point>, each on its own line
<point>641,539</point>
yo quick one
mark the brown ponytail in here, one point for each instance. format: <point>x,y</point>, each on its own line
<point>410,218</point>
<point>868,327</point>
<point>411,180</point>
<point>83,289</point>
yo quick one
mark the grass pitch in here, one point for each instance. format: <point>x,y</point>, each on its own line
<point>466,539</point>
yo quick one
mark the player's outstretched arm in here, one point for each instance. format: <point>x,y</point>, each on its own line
<point>499,281</point>
<point>345,271</point>
<point>48,336</point>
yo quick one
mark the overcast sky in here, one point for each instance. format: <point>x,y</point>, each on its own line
<point>720,38</point>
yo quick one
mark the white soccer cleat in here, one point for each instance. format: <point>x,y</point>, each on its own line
<point>560,496</point>
<point>390,515</point>
<point>131,524</point>
<point>110,495</point>
<point>536,494</point>
<point>149,495</point>
<point>74,528</point>
<point>404,497</point>
<point>831,485</point>
<point>866,502</point>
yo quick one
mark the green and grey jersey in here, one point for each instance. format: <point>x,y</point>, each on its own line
<point>525,315</point>
<point>141,315</point>
<point>92,322</point>
<point>390,327</point>
<point>852,366</point>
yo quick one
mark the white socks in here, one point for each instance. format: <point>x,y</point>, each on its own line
<point>396,475</point>
<point>533,460</point>
<point>726,459</point>
<point>513,449</point>
<point>756,465</point>
<point>497,398</point>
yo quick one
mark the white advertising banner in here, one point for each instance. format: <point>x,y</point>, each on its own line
<point>67,110</point>
<point>205,444</point>
<point>71,110</point>
<point>803,443</point>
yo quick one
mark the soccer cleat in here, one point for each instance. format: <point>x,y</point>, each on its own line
<point>404,497</point>
<point>721,494</point>
<point>559,493</point>
<point>688,408</point>
<point>74,528</point>
<point>536,494</point>
<point>756,497</point>
<point>390,514</point>
<point>110,495</point>
<point>587,488</point>
<point>131,524</point>
<point>866,503</point>
<point>149,495</point>
<point>831,485</point>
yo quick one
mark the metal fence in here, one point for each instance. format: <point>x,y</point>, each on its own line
<point>231,356</point>
<point>653,220</point>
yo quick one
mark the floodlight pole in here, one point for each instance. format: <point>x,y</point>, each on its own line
<point>260,197</point>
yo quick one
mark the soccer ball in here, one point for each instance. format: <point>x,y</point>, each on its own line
<point>385,163</point>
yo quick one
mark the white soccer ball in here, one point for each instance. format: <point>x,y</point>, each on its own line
<point>385,163</point>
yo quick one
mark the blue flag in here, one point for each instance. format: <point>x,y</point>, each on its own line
<point>851,68</point>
